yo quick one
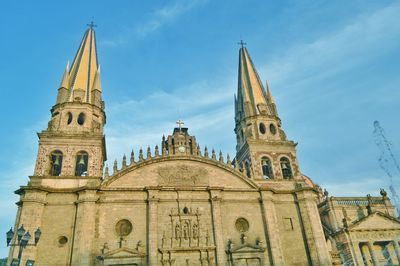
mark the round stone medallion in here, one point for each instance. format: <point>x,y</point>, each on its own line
<point>242,225</point>
<point>123,227</point>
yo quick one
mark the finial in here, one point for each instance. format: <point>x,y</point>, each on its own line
<point>156,153</point>
<point>236,164</point>
<point>124,162</point>
<point>132,157</point>
<point>383,193</point>
<point>106,174</point>
<point>213,155</point>
<point>242,43</point>
<point>148,153</point>
<point>228,160</point>
<point>198,150</point>
<point>163,151</point>
<point>91,25</point>
<point>221,157</point>
<point>206,152</point>
<point>140,155</point>
<point>115,167</point>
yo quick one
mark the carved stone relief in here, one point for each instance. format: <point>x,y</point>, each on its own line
<point>186,240</point>
<point>182,175</point>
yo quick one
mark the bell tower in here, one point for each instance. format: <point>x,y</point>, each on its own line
<point>73,145</point>
<point>262,147</point>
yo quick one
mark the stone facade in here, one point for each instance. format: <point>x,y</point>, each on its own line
<point>182,205</point>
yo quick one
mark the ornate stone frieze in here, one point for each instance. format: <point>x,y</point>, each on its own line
<point>182,175</point>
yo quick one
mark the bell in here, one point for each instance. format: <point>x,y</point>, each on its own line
<point>81,161</point>
<point>284,166</point>
<point>57,161</point>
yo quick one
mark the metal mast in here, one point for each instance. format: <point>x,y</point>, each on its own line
<point>387,161</point>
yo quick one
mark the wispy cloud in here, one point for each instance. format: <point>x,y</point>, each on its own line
<point>365,37</point>
<point>154,22</point>
<point>205,107</point>
<point>165,15</point>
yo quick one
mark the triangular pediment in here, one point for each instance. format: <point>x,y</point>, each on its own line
<point>122,253</point>
<point>247,248</point>
<point>376,221</point>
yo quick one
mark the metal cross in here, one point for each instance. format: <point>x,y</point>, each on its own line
<point>242,43</point>
<point>91,25</point>
<point>180,124</point>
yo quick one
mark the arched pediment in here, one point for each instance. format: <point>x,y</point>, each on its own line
<point>179,171</point>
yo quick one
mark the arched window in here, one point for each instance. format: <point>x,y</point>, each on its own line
<point>81,165</point>
<point>56,158</point>
<point>286,168</point>
<point>266,168</point>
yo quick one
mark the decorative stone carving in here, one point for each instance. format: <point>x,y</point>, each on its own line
<point>183,175</point>
<point>242,225</point>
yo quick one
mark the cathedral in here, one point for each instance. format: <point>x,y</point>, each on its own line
<point>181,204</point>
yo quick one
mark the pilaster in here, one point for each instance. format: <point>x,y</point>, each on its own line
<point>313,230</point>
<point>152,228</point>
<point>84,228</point>
<point>30,216</point>
<point>215,201</point>
<point>271,228</point>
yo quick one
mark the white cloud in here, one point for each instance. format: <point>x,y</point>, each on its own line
<point>368,36</point>
<point>166,15</point>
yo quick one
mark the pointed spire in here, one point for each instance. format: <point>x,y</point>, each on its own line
<point>141,155</point>
<point>65,78</point>
<point>106,173</point>
<point>251,93</point>
<point>148,153</point>
<point>156,152</point>
<point>85,67</point>
<point>96,83</point>
<point>221,157</point>
<point>115,167</point>
<point>132,157</point>
<point>228,160</point>
<point>213,155</point>
<point>124,162</point>
<point>206,152</point>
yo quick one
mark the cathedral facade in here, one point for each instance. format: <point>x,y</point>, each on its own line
<point>180,204</point>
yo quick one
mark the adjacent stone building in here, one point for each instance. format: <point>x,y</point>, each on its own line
<point>179,204</point>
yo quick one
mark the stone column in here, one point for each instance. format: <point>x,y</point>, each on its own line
<point>84,236</point>
<point>358,256</point>
<point>313,228</point>
<point>152,228</point>
<point>215,200</point>
<point>397,249</point>
<point>271,228</point>
<point>373,255</point>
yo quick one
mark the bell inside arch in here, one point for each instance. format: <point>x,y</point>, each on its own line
<point>81,161</point>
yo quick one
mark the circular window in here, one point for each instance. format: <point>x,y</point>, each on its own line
<point>69,118</point>
<point>272,128</point>
<point>62,240</point>
<point>81,118</point>
<point>185,210</point>
<point>262,128</point>
<point>242,225</point>
<point>123,227</point>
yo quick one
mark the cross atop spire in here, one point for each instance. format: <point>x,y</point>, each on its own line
<point>91,25</point>
<point>242,43</point>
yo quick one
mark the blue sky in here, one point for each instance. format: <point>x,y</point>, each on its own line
<point>333,68</point>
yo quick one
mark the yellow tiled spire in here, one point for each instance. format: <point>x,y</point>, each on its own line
<point>84,67</point>
<point>251,93</point>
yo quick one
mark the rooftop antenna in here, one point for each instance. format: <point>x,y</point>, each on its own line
<point>387,160</point>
